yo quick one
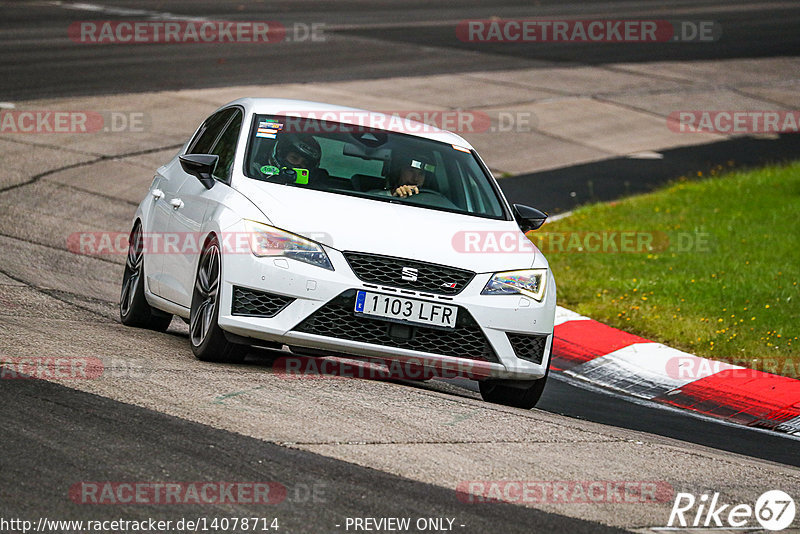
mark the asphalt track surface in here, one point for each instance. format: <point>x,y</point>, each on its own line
<point>55,436</point>
<point>363,40</point>
<point>98,439</point>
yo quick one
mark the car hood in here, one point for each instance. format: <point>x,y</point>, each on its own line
<point>349,223</point>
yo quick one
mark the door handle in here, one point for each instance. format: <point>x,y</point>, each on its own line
<point>176,203</point>
<point>158,194</point>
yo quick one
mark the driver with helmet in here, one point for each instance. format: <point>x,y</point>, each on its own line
<point>294,158</point>
<point>293,150</point>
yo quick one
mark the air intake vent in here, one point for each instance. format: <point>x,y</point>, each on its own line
<point>528,347</point>
<point>252,303</point>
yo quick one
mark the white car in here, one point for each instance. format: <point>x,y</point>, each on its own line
<point>285,222</point>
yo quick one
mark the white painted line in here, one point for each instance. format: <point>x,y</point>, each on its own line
<point>792,426</point>
<point>558,217</point>
<point>123,12</point>
<point>647,370</point>
<point>564,315</point>
<point>646,154</point>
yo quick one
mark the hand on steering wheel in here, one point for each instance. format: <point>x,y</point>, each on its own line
<point>405,191</point>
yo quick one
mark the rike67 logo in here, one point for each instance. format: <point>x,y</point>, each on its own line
<point>774,510</point>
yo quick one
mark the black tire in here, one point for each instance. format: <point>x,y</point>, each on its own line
<point>133,307</point>
<point>519,395</point>
<point>208,341</point>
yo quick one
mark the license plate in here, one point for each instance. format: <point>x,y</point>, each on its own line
<point>406,310</point>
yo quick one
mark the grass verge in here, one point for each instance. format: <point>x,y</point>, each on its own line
<point>708,266</point>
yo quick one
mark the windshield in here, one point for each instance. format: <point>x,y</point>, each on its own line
<point>374,164</point>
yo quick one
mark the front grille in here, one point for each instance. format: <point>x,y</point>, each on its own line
<point>254,303</point>
<point>338,320</point>
<point>430,277</point>
<point>528,347</point>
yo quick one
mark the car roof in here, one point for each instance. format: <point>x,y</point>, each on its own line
<point>351,116</point>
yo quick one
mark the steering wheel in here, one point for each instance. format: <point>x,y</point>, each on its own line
<point>433,197</point>
<point>430,192</point>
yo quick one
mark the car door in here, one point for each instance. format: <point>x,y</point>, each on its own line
<point>194,202</point>
<point>179,218</point>
<point>166,182</point>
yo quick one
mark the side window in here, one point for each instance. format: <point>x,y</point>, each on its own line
<point>440,177</point>
<point>226,148</point>
<point>209,132</point>
<point>479,195</point>
<point>474,197</point>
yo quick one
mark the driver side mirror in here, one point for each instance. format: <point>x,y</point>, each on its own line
<point>528,218</point>
<point>200,166</point>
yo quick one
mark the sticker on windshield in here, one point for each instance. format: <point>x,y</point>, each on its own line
<point>302,176</point>
<point>269,170</point>
<point>461,148</point>
<point>269,129</point>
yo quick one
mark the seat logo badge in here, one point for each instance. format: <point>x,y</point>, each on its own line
<point>410,274</point>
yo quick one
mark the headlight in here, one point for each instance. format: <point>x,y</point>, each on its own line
<point>530,282</point>
<point>267,240</point>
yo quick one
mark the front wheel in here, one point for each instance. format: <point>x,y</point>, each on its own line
<point>133,307</point>
<point>207,338</point>
<point>513,392</point>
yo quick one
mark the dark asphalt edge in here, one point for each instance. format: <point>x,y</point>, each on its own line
<point>87,437</point>
<point>685,426</point>
<point>620,177</point>
<point>676,425</point>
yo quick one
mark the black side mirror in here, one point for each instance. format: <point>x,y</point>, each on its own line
<point>528,218</point>
<point>201,166</point>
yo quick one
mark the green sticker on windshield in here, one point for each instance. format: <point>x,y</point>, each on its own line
<point>270,170</point>
<point>302,176</point>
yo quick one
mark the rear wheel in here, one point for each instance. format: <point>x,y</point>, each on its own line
<point>133,307</point>
<point>514,393</point>
<point>207,338</point>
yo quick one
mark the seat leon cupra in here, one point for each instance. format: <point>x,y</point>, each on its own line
<point>338,231</point>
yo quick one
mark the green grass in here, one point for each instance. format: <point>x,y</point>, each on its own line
<point>735,297</point>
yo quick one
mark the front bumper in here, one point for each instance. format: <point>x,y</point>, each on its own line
<point>314,309</point>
